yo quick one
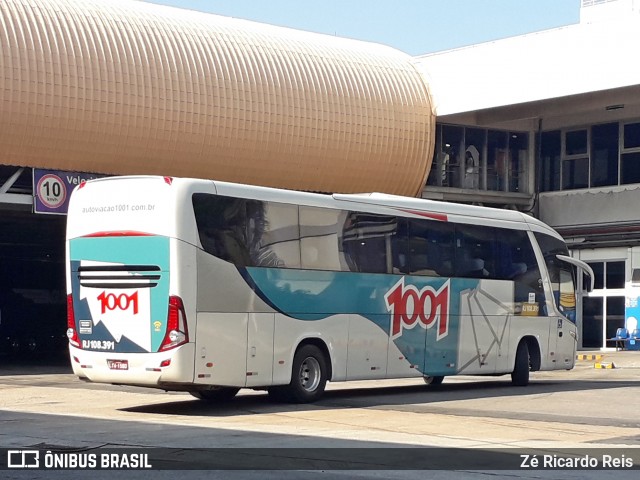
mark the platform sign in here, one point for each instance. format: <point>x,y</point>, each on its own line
<point>52,188</point>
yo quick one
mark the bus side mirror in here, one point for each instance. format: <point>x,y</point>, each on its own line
<point>582,266</point>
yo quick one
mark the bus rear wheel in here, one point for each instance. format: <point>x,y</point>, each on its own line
<point>308,377</point>
<point>433,380</point>
<point>217,394</point>
<point>520,374</point>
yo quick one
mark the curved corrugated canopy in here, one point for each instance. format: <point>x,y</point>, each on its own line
<point>128,87</point>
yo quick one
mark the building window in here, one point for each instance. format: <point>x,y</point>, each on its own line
<point>496,159</point>
<point>445,171</point>
<point>575,143</point>
<point>615,275</point>
<point>575,161</point>
<point>630,157</point>
<point>604,155</point>
<point>599,156</point>
<point>517,161</point>
<point>603,308</point>
<point>575,173</point>
<point>473,158</point>
<point>550,148</point>
<point>631,135</point>
<point>480,159</point>
<point>630,168</point>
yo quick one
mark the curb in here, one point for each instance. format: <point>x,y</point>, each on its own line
<point>597,356</point>
<point>607,365</point>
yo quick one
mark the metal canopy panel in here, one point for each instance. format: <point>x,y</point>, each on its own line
<point>124,87</point>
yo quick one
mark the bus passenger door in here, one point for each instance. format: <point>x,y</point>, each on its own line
<point>562,343</point>
<point>562,329</point>
<point>260,329</point>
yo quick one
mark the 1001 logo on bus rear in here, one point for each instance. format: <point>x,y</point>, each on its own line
<point>124,302</point>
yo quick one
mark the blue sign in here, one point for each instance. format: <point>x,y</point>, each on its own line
<point>52,188</point>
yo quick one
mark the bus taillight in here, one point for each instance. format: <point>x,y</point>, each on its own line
<point>177,333</point>
<point>72,334</point>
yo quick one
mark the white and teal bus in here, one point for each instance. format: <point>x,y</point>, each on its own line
<point>209,287</point>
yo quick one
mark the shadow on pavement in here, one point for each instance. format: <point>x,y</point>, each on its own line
<point>10,366</point>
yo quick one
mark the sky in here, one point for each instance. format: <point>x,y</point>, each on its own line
<point>414,26</point>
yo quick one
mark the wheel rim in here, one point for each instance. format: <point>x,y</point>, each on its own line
<point>432,380</point>
<point>310,374</point>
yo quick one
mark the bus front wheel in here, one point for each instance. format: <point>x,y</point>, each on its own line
<point>308,377</point>
<point>218,394</point>
<point>520,374</point>
<point>433,380</point>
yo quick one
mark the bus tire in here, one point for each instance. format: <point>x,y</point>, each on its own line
<point>308,377</point>
<point>433,380</point>
<point>520,374</point>
<point>217,394</point>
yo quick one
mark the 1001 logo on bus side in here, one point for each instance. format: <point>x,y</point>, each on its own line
<point>410,306</point>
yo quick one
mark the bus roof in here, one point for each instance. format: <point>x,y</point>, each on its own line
<point>405,206</point>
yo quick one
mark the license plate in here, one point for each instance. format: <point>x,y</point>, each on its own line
<point>118,364</point>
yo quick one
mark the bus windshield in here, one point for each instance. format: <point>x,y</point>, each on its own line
<point>561,274</point>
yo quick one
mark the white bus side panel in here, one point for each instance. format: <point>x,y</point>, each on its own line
<point>221,349</point>
<point>234,349</point>
<point>289,332</point>
<point>367,349</point>
<point>485,316</point>
<point>261,327</point>
<point>536,327</point>
<point>232,294</point>
<point>398,365</point>
<point>182,261</point>
<point>234,329</point>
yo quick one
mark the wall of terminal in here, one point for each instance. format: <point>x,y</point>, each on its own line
<point>589,179</point>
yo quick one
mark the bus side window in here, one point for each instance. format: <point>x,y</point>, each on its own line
<point>366,242</point>
<point>274,234</point>
<point>400,248</point>
<point>238,231</point>
<point>320,230</point>
<point>221,225</point>
<point>475,251</point>
<point>430,247</point>
<point>517,262</point>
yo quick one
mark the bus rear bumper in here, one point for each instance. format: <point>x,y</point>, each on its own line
<point>140,369</point>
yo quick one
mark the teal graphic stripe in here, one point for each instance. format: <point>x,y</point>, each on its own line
<point>315,295</point>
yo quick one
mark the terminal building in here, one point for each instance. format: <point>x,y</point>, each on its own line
<point>549,123</point>
<point>546,123</point>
